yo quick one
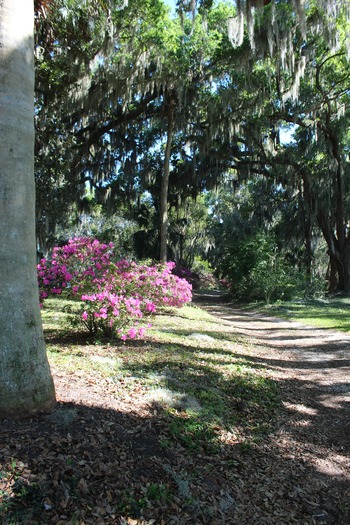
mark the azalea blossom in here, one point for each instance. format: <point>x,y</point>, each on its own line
<point>115,294</point>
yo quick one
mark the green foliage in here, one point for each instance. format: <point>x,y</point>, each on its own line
<point>94,221</point>
<point>158,492</point>
<point>102,93</point>
<point>258,270</point>
<point>195,433</point>
<point>206,274</point>
<point>260,226</point>
<point>190,236</point>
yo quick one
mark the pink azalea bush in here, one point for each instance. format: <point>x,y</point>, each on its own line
<point>115,295</point>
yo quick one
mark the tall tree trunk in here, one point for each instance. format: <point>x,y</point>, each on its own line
<point>338,256</point>
<point>337,242</point>
<point>165,179</point>
<point>307,229</point>
<point>335,234</point>
<point>26,384</point>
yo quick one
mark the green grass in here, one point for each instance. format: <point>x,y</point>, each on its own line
<point>331,313</point>
<point>188,368</point>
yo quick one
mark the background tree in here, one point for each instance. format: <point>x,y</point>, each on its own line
<point>290,83</point>
<point>319,156</point>
<point>150,79</point>
<point>259,248</point>
<point>193,98</point>
<point>25,381</point>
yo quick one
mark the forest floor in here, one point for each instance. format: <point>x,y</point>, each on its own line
<point>113,453</point>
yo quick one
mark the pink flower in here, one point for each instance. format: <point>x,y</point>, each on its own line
<point>118,292</point>
<point>150,307</point>
<point>103,313</point>
<point>132,333</point>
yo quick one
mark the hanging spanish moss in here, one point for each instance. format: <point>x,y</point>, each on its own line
<point>283,33</point>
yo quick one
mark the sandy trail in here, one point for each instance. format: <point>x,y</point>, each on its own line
<point>313,368</point>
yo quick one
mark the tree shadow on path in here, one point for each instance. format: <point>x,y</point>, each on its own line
<point>87,464</point>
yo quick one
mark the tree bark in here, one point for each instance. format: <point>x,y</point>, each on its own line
<point>26,384</point>
<point>337,243</point>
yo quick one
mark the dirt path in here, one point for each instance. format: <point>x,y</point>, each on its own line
<point>313,368</point>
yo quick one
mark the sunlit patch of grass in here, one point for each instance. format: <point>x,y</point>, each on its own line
<point>67,362</point>
<point>331,313</point>
<point>195,433</point>
<point>58,316</point>
<point>75,358</point>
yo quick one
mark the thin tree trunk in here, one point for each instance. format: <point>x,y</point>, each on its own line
<point>165,181</point>
<point>307,229</point>
<point>26,384</point>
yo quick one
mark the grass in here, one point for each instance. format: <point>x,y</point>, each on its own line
<point>328,313</point>
<point>187,369</point>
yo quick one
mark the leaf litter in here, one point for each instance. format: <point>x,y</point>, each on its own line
<point>226,427</point>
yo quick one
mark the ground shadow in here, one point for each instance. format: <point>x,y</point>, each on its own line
<point>87,464</point>
<point>204,455</point>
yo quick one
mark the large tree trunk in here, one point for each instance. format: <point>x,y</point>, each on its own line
<point>26,384</point>
<point>333,231</point>
<point>339,255</point>
<point>339,275</point>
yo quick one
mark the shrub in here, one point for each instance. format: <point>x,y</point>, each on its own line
<point>201,275</point>
<point>258,270</point>
<point>115,295</point>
